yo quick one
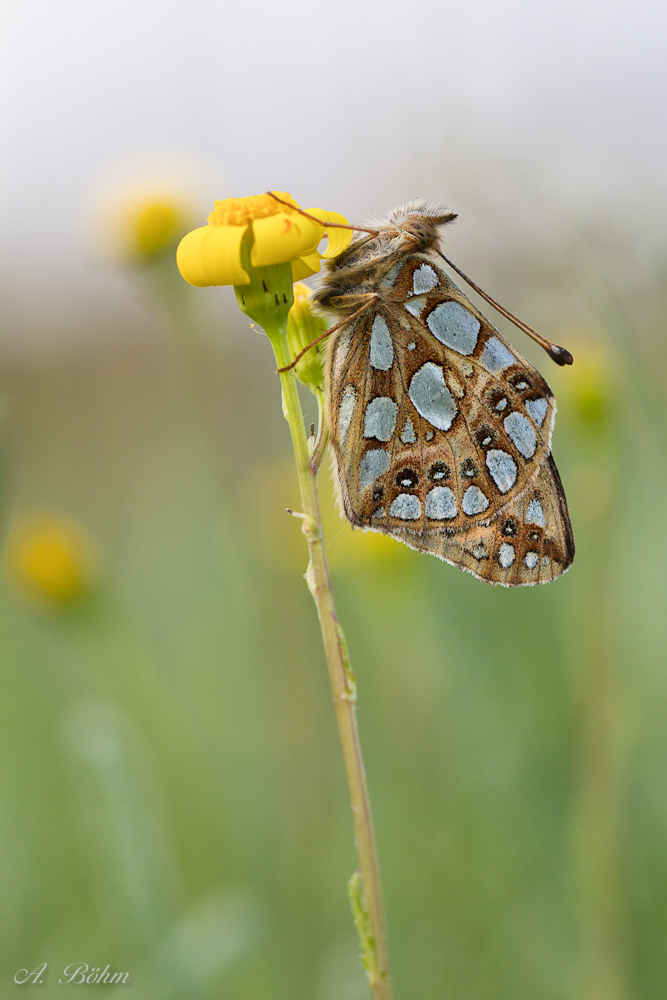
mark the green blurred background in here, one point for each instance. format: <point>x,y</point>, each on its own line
<point>172,797</point>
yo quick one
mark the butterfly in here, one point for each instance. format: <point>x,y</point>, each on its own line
<point>440,429</point>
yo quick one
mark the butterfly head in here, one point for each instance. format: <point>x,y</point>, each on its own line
<point>420,221</point>
<point>411,228</point>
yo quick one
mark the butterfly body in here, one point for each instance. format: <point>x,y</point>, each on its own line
<point>440,430</point>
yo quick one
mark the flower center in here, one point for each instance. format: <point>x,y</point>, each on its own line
<point>241,211</point>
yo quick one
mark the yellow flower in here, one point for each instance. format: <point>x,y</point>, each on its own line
<point>49,558</point>
<point>211,255</point>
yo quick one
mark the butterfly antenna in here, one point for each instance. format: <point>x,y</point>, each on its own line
<point>558,354</point>
<point>328,225</point>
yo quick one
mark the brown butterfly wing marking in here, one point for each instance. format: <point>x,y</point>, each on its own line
<point>531,542</point>
<point>439,428</point>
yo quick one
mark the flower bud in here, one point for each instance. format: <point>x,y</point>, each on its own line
<point>303,327</point>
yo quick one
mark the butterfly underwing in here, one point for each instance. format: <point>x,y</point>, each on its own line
<point>440,429</point>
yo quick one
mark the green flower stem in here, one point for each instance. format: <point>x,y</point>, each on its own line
<point>267,299</point>
<point>342,680</point>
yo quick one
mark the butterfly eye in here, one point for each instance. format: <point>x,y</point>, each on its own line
<point>485,436</point>
<point>407,479</point>
<point>510,528</point>
<point>438,472</point>
<point>468,468</point>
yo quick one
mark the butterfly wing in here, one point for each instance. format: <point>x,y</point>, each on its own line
<point>531,542</point>
<point>440,430</point>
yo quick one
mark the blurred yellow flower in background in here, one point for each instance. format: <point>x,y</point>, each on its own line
<point>137,212</point>
<point>587,393</point>
<point>144,225</point>
<point>591,403</point>
<point>348,549</point>
<point>49,558</point>
<point>154,225</point>
<point>211,255</point>
<point>592,389</point>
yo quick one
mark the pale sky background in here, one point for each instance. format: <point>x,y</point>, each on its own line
<point>503,110</point>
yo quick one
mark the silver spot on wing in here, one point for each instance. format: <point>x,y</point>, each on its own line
<point>407,507</point>
<point>531,560</point>
<point>522,433</point>
<point>454,326</point>
<point>496,356</point>
<point>506,555</point>
<point>441,503</point>
<point>537,408</point>
<point>474,501</point>
<point>345,412</point>
<point>424,279</point>
<point>372,465</point>
<point>535,514</point>
<point>503,469</point>
<point>382,351</point>
<point>431,397</point>
<point>408,435</point>
<point>341,350</point>
<point>380,418</point>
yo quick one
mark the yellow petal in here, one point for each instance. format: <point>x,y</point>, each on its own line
<point>339,239</point>
<point>303,267</point>
<point>211,255</point>
<point>309,251</point>
<point>283,237</point>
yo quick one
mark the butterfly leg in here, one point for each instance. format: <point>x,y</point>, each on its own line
<point>327,333</point>
<point>321,441</point>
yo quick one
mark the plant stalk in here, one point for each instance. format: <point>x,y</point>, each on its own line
<point>368,909</point>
